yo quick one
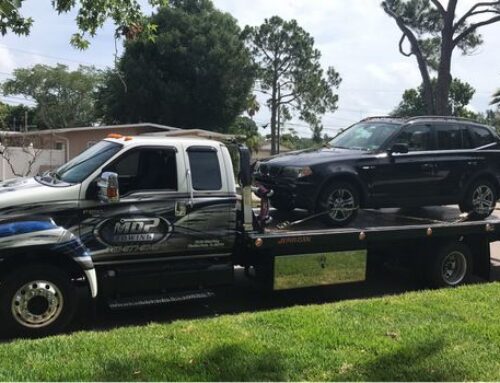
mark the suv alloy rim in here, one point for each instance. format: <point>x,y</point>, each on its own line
<point>37,304</point>
<point>483,199</point>
<point>340,205</point>
<point>454,268</point>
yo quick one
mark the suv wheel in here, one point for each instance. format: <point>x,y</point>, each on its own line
<point>340,202</point>
<point>37,300</point>
<point>480,200</point>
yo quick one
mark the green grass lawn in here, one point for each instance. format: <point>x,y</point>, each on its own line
<point>436,335</point>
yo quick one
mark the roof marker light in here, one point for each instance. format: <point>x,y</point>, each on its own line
<point>115,135</point>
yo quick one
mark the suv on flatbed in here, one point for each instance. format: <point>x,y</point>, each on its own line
<point>389,162</point>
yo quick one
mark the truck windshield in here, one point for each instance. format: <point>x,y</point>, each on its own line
<point>364,136</point>
<point>83,165</point>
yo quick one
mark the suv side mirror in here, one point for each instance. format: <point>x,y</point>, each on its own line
<point>399,148</point>
<point>109,190</point>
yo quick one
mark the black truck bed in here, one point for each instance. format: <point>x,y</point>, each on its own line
<point>371,226</point>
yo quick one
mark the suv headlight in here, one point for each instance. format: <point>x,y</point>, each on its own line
<point>297,172</point>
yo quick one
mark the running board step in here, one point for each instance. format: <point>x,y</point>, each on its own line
<point>161,299</point>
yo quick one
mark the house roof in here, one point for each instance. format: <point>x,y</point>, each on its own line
<point>194,133</point>
<point>103,127</point>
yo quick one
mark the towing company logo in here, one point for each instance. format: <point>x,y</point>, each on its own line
<point>131,231</point>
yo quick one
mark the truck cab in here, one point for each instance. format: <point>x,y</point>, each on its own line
<point>130,215</point>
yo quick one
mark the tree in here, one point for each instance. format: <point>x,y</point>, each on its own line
<point>198,73</point>
<point>91,15</point>
<point>496,98</point>
<point>290,73</point>
<point>413,103</point>
<point>246,127</point>
<point>18,117</point>
<point>21,146</point>
<point>64,98</point>
<point>434,30</point>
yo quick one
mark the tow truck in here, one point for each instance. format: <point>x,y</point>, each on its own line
<point>140,221</point>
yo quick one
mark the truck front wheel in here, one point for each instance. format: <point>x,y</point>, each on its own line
<point>37,300</point>
<point>451,266</point>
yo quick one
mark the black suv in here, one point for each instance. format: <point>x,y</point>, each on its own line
<point>388,162</point>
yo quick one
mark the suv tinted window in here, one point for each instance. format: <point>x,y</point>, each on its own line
<point>450,137</point>
<point>146,169</point>
<point>205,170</point>
<point>418,138</point>
<point>481,136</point>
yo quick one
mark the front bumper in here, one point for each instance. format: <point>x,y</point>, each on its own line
<point>301,193</point>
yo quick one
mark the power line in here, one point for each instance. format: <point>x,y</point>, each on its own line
<point>35,53</point>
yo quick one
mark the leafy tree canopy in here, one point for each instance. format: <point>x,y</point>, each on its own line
<point>197,74</point>
<point>246,127</point>
<point>496,98</point>
<point>91,15</point>
<point>290,73</point>
<point>413,104</point>
<point>13,117</point>
<point>64,98</point>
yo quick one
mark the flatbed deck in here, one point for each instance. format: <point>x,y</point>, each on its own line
<point>371,226</point>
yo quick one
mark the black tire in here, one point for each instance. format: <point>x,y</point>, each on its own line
<point>471,204</point>
<point>451,266</point>
<point>51,305</point>
<point>343,195</point>
<point>282,203</point>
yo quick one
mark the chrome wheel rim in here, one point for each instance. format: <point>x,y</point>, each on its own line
<point>454,268</point>
<point>37,304</point>
<point>340,205</point>
<point>483,199</point>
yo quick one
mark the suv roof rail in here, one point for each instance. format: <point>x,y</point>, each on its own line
<point>381,118</point>
<point>451,118</point>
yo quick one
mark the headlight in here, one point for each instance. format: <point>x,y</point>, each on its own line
<point>297,172</point>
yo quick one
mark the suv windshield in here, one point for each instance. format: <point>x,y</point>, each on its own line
<point>364,136</point>
<point>83,165</point>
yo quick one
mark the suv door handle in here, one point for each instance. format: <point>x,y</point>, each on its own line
<point>427,166</point>
<point>472,163</point>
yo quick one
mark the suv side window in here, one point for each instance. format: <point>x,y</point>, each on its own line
<point>481,136</point>
<point>417,137</point>
<point>451,137</point>
<point>146,169</point>
<point>205,169</point>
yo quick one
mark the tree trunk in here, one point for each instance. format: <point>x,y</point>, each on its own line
<point>442,92</point>
<point>274,109</point>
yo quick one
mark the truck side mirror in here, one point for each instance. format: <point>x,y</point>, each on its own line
<point>109,190</point>
<point>399,148</point>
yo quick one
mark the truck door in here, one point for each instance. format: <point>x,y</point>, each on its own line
<point>142,225</point>
<point>211,218</point>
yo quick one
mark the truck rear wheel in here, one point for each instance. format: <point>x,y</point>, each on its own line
<point>37,300</point>
<point>451,266</point>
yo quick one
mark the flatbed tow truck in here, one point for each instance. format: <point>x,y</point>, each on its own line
<point>139,221</point>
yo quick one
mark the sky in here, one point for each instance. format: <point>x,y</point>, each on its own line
<point>355,37</point>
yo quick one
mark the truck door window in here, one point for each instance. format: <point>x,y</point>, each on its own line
<point>146,169</point>
<point>205,170</point>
